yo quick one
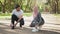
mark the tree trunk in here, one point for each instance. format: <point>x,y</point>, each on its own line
<point>57,6</point>
<point>10,5</point>
<point>3,9</point>
<point>3,6</point>
<point>54,6</point>
<point>27,5</point>
<point>21,4</point>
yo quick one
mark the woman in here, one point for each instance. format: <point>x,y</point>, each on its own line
<point>37,21</point>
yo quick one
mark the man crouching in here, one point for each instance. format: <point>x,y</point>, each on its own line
<point>17,15</point>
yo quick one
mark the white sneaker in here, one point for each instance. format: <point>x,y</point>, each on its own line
<point>35,30</point>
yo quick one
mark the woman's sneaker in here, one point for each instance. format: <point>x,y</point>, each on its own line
<point>35,30</point>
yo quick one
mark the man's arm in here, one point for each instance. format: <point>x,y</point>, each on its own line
<point>20,17</point>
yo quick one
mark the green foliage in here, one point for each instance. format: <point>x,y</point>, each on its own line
<point>26,5</point>
<point>9,14</point>
<point>54,6</point>
<point>9,5</point>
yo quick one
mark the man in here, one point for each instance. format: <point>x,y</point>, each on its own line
<point>17,15</point>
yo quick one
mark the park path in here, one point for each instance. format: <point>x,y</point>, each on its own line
<point>51,26</point>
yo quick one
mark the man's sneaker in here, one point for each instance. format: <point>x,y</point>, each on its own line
<point>12,27</point>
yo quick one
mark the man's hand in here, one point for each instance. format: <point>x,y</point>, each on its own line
<point>16,23</point>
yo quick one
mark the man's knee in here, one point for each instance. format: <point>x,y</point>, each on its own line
<point>22,21</point>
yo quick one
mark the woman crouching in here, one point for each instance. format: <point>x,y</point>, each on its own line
<point>38,21</point>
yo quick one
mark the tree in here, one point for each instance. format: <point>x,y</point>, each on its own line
<point>3,5</point>
<point>54,5</point>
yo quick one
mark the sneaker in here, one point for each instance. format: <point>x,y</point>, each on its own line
<point>21,27</point>
<point>35,30</point>
<point>12,27</point>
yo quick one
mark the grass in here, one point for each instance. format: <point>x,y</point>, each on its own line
<point>57,15</point>
<point>27,14</point>
<point>3,15</point>
<point>9,14</point>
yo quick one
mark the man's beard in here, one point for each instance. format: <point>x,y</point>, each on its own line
<point>18,10</point>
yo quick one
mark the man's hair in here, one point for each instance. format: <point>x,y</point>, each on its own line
<point>16,6</point>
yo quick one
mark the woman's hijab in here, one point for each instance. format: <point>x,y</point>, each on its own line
<point>35,11</point>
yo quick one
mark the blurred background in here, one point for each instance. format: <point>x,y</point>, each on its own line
<point>51,6</point>
<point>50,11</point>
<point>45,6</point>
